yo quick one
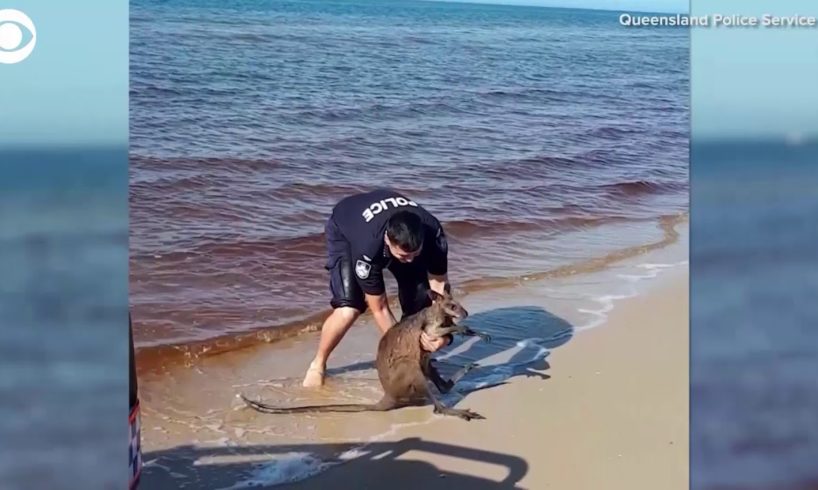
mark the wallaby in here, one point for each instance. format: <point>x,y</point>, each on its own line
<point>405,370</point>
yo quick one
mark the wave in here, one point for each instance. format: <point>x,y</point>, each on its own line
<point>537,167</point>
<point>643,187</point>
<point>666,223</point>
<point>463,229</point>
<point>196,164</point>
<point>380,111</point>
<point>164,175</point>
<point>312,245</point>
<point>237,248</point>
<point>335,191</point>
<point>542,94</point>
<point>613,132</point>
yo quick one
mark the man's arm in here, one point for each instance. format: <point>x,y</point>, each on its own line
<point>439,283</point>
<point>370,278</point>
<point>379,306</point>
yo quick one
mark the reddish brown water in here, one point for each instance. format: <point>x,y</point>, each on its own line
<point>233,250</point>
<point>537,145</point>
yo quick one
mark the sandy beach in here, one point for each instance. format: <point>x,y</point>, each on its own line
<point>599,401</point>
<point>612,414</point>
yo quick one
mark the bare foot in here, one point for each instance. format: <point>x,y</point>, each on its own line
<point>314,377</point>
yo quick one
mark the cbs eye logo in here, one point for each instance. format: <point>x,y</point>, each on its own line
<point>13,47</point>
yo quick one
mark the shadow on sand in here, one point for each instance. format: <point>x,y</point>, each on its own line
<point>521,337</point>
<point>377,467</point>
<point>531,326</point>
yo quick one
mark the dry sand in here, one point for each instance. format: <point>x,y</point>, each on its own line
<point>613,414</point>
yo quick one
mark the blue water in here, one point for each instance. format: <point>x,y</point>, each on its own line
<point>402,82</point>
<point>754,341</point>
<point>63,318</point>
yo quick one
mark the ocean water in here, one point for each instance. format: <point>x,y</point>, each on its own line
<point>754,343</point>
<point>542,138</point>
<point>63,318</point>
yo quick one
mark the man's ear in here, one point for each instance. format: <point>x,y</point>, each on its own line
<point>435,296</point>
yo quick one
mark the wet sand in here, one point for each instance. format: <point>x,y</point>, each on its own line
<point>612,413</point>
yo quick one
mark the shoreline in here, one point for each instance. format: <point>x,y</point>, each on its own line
<point>613,414</point>
<point>194,423</point>
<point>187,353</point>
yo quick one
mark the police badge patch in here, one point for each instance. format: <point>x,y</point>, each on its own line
<point>362,269</point>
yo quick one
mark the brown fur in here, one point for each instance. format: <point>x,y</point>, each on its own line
<point>405,370</point>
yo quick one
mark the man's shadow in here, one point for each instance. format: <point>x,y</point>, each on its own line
<point>378,465</point>
<point>521,339</point>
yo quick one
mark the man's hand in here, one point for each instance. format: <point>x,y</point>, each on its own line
<point>433,344</point>
<point>439,284</point>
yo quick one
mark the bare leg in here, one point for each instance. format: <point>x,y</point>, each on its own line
<point>334,329</point>
<point>464,414</point>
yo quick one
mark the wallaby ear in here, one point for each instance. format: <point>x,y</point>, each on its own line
<point>435,296</point>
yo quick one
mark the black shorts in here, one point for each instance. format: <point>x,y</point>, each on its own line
<point>412,278</point>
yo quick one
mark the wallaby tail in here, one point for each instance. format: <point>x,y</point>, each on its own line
<point>350,407</point>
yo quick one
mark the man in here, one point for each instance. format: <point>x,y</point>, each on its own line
<point>366,234</point>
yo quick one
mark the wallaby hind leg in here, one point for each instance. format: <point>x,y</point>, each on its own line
<point>462,372</point>
<point>464,414</point>
<point>444,386</point>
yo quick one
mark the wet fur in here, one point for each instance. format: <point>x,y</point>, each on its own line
<point>406,371</point>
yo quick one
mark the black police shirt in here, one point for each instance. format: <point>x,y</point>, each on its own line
<point>362,219</point>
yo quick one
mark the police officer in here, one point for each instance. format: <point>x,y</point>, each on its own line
<point>366,234</point>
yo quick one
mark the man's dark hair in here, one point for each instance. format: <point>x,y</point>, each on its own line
<point>405,229</point>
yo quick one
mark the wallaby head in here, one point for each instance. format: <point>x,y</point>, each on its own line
<point>443,313</point>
